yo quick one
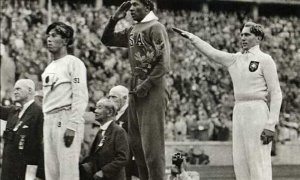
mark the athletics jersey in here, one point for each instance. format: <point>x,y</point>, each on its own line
<point>254,77</point>
<point>149,49</point>
<point>148,46</point>
<point>248,73</point>
<point>64,84</point>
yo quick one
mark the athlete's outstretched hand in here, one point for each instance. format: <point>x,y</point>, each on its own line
<point>183,33</point>
<point>121,11</point>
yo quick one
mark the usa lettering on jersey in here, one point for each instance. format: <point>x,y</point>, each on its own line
<point>137,40</point>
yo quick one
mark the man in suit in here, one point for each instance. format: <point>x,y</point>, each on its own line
<point>110,150</point>
<point>119,95</point>
<point>23,134</point>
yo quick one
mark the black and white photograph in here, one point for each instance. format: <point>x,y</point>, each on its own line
<point>150,90</point>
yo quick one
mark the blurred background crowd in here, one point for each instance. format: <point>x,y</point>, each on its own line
<point>201,93</point>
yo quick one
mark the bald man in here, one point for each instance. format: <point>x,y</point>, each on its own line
<point>119,95</point>
<point>23,134</point>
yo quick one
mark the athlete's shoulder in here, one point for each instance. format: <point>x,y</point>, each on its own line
<point>158,24</point>
<point>266,60</point>
<point>264,55</point>
<point>158,28</point>
<point>73,59</point>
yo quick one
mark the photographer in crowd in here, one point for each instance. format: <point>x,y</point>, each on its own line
<point>178,170</point>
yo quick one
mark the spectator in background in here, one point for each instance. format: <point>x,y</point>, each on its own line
<point>8,70</point>
<point>221,131</point>
<point>191,123</point>
<point>289,128</point>
<point>6,101</point>
<point>203,159</point>
<point>191,157</point>
<point>170,130</point>
<point>180,129</point>
<point>149,57</point>
<point>205,127</point>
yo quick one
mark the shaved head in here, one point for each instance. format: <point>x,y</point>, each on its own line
<point>120,90</point>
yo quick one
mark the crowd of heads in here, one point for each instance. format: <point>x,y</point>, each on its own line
<point>201,92</point>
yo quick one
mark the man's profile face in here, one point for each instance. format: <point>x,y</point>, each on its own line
<point>55,41</point>
<point>138,10</point>
<point>101,112</point>
<point>21,92</point>
<point>248,39</point>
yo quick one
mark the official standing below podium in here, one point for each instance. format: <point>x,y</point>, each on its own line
<point>119,95</point>
<point>23,136</point>
<point>110,150</point>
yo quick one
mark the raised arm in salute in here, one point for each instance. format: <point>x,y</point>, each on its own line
<point>254,77</point>
<point>149,58</point>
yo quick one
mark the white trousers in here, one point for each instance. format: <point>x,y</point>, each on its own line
<point>61,162</point>
<point>251,159</point>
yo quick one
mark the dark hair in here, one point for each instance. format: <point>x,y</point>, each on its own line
<point>62,29</point>
<point>148,3</point>
<point>256,29</point>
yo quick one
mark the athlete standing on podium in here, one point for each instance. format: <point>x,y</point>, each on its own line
<point>65,100</point>
<point>254,78</point>
<point>149,58</point>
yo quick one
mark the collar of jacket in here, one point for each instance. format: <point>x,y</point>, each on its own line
<point>252,50</point>
<point>149,17</point>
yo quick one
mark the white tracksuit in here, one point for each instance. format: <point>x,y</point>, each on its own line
<point>65,100</point>
<point>254,78</point>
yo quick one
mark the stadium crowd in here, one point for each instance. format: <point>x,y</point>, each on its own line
<point>201,102</point>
